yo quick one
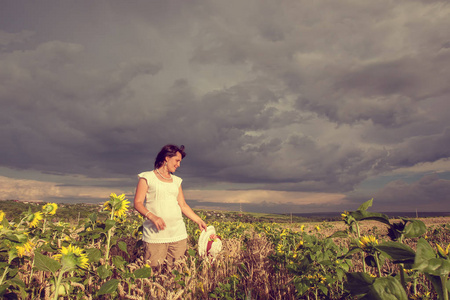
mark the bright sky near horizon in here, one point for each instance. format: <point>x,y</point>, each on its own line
<point>283,106</point>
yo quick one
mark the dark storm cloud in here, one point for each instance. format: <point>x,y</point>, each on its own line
<point>59,118</point>
<point>286,96</point>
<point>424,195</point>
<point>422,149</point>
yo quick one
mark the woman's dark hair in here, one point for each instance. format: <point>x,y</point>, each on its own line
<point>170,151</point>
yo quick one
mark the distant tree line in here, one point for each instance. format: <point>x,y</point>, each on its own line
<point>66,212</point>
<point>80,211</point>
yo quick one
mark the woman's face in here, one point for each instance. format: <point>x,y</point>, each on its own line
<point>173,162</point>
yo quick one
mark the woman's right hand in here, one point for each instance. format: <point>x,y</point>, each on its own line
<point>159,222</point>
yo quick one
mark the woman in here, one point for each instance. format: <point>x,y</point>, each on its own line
<point>159,199</point>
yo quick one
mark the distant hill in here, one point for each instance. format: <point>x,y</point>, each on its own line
<point>337,215</point>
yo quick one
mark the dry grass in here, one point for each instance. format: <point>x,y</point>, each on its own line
<point>247,262</point>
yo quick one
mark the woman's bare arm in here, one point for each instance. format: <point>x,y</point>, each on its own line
<point>139,198</point>
<point>188,212</point>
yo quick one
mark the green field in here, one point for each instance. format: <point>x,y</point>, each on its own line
<point>95,252</point>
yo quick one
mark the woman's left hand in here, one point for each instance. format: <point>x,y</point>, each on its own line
<point>201,225</point>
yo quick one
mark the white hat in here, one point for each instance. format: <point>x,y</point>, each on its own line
<point>209,244</point>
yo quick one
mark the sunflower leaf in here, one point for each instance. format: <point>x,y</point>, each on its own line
<point>109,287</point>
<point>143,272</point>
<point>104,272</point>
<point>123,246</point>
<point>109,224</point>
<point>366,205</point>
<point>94,254</point>
<point>45,263</point>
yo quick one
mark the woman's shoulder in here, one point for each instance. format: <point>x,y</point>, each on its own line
<point>146,175</point>
<point>177,179</point>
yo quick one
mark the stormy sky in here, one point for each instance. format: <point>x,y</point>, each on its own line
<point>283,106</point>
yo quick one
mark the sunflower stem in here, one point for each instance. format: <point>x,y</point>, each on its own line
<point>444,286</point>
<point>43,226</point>
<point>31,272</point>
<point>21,221</point>
<point>363,254</point>
<point>403,277</point>
<point>415,285</point>
<point>378,264</point>
<point>108,241</point>
<point>4,275</point>
<point>58,282</point>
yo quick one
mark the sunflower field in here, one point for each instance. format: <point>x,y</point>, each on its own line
<point>100,257</point>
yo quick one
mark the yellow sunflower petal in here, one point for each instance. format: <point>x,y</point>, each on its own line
<point>72,256</point>
<point>121,208</point>
<point>440,250</point>
<point>35,218</point>
<point>20,251</point>
<point>50,208</point>
<point>28,246</point>
<point>107,205</point>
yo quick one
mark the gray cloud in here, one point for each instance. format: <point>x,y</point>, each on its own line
<point>422,149</point>
<point>424,195</point>
<point>8,38</point>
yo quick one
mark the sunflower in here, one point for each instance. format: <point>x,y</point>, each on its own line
<point>2,216</point>
<point>367,241</point>
<point>50,208</point>
<point>34,219</point>
<point>118,203</point>
<point>442,252</point>
<point>348,218</point>
<point>280,248</point>
<point>19,245</point>
<point>72,257</point>
<point>299,245</point>
<point>344,215</point>
<point>25,248</point>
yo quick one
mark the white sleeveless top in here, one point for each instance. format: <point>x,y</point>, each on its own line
<point>161,200</point>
